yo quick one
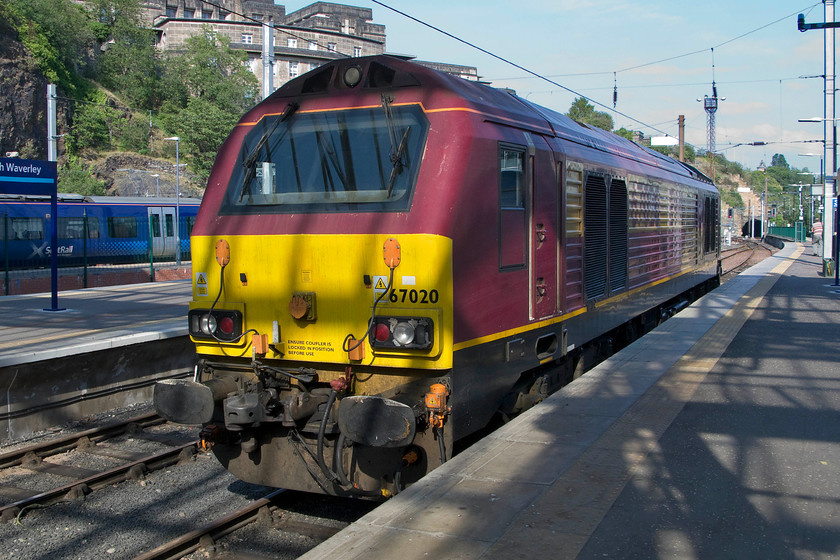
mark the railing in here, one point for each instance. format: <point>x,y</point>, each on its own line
<point>794,233</point>
<point>90,253</point>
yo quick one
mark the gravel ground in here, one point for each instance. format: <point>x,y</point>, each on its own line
<point>130,518</point>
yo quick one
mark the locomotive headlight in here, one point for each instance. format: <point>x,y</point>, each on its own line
<point>226,325</point>
<point>221,325</point>
<point>208,324</point>
<point>404,333</point>
<point>352,76</point>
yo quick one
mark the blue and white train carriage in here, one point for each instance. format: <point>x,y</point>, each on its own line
<point>93,229</point>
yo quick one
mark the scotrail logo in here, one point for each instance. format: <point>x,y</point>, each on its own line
<point>45,250</point>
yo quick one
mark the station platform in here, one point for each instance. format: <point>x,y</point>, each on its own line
<point>103,348</point>
<point>717,435</point>
<point>90,320</point>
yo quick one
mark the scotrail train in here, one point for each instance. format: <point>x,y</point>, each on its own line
<point>387,257</point>
<point>98,229</point>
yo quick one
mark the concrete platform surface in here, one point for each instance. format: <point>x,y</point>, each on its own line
<point>93,319</point>
<point>717,435</point>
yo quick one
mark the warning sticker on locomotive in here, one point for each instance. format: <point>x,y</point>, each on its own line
<point>307,347</point>
<point>201,284</point>
<point>380,284</point>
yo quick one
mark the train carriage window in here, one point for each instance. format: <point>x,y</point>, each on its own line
<point>512,227</point>
<point>122,226</point>
<point>170,225</point>
<point>511,173</point>
<point>190,224</point>
<point>93,227</point>
<point>332,161</point>
<point>26,228</point>
<point>74,228</point>
<point>155,225</point>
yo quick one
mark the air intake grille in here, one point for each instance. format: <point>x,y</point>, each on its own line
<point>595,237</point>
<point>618,235</point>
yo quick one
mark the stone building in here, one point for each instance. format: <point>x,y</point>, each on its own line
<point>303,39</point>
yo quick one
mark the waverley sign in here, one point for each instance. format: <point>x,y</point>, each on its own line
<point>26,176</point>
<point>33,177</point>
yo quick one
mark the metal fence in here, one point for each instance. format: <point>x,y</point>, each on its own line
<point>795,232</point>
<point>93,251</point>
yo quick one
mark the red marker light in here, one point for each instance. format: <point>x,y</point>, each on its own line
<point>381,332</point>
<point>226,325</point>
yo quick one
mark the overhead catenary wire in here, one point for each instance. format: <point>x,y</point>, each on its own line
<point>515,65</point>
<point>807,9</point>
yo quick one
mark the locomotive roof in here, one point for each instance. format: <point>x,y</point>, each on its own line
<point>386,72</point>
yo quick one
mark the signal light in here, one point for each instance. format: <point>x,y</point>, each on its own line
<point>220,324</point>
<point>381,332</point>
<point>226,325</point>
<point>403,333</point>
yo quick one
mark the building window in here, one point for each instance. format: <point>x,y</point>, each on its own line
<point>357,51</point>
<point>171,12</point>
<point>313,46</point>
<point>247,38</point>
<point>291,43</point>
<point>313,65</point>
<point>293,69</point>
<point>206,15</point>
<point>331,47</point>
<point>189,13</point>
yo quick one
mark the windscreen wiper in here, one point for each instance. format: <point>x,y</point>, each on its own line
<point>248,162</point>
<point>397,164</point>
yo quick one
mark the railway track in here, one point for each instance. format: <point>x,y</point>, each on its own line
<point>72,466</point>
<point>263,515</point>
<point>67,498</point>
<point>744,254</point>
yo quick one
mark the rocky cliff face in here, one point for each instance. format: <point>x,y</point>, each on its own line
<point>23,99</point>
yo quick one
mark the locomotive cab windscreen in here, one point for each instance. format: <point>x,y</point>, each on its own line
<point>363,159</point>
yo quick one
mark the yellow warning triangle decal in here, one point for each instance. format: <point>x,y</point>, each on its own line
<point>201,280</point>
<point>380,285</point>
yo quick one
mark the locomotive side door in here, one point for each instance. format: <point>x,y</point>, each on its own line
<point>543,222</point>
<point>162,228</point>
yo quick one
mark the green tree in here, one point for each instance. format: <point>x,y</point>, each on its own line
<point>779,161</point>
<point>583,112</point>
<point>130,64</point>
<point>93,125</point>
<point>58,34</point>
<point>76,177</point>
<point>207,88</point>
<point>624,133</point>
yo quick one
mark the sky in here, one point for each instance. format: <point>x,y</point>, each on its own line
<point>761,62</point>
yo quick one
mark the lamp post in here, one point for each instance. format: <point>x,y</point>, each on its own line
<point>764,229</point>
<point>177,141</point>
<point>830,215</point>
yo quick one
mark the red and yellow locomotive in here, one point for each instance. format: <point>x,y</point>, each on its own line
<point>386,256</point>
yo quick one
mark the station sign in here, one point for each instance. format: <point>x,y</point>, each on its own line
<point>27,176</point>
